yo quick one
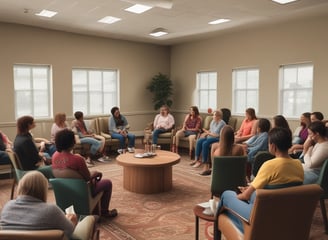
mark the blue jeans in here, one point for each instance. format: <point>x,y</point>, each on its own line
<point>94,144</point>
<point>229,199</point>
<point>156,132</point>
<point>131,139</point>
<point>4,158</point>
<point>203,146</point>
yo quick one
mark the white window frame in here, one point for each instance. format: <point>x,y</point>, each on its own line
<point>31,87</point>
<point>301,87</point>
<point>206,84</point>
<point>250,90</point>
<point>106,93</point>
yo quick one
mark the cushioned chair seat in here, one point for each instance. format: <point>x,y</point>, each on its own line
<point>32,235</point>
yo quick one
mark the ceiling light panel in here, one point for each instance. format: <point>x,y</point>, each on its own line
<point>283,1</point>
<point>138,8</point>
<point>219,21</point>
<point>46,13</point>
<point>109,20</point>
<point>158,32</point>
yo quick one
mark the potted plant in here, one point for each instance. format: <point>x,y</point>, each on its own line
<point>161,88</point>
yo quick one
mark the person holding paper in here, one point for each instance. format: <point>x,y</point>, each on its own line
<point>30,211</point>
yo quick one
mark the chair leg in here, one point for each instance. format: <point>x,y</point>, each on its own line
<point>13,189</point>
<point>324,214</point>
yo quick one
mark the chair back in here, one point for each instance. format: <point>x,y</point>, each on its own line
<point>323,179</point>
<point>259,159</point>
<point>283,214</point>
<point>54,234</point>
<point>18,169</point>
<point>228,172</point>
<point>102,123</point>
<point>71,191</point>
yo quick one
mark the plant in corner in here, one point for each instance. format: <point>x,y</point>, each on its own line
<point>161,88</point>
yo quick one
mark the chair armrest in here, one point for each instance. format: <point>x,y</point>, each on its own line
<point>105,135</point>
<point>149,126</point>
<point>244,220</point>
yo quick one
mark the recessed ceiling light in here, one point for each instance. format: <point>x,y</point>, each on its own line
<point>218,21</point>
<point>46,13</point>
<point>138,8</point>
<point>284,1</point>
<point>158,32</point>
<point>109,20</point>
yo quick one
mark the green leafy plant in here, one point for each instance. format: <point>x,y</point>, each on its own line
<point>161,87</point>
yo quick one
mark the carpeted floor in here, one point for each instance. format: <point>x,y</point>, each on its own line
<point>161,216</point>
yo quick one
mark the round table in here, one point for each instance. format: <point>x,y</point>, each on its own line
<point>148,175</point>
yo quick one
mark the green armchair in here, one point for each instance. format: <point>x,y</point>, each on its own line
<point>76,192</point>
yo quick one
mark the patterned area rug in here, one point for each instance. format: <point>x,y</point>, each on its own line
<point>161,216</point>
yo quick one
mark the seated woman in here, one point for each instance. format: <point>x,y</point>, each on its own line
<point>118,129</point>
<point>96,142</point>
<point>163,122</point>
<point>247,129</point>
<point>258,142</point>
<point>282,171</point>
<point>300,135</point>
<point>225,147</point>
<point>64,159</point>
<point>24,146</point>
<point>5,145</point>
<point>315,151</point>
<point>191,127</point>
<point>58,125</point>
<point>30,211</point>
<point>207,138</point>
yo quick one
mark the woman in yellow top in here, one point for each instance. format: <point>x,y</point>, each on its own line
<point>282,171</point>
<point>247,129</point>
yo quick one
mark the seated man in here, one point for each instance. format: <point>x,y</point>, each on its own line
<point>282,171</point>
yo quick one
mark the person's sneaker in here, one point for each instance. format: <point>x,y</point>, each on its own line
<point>120,151</point>
<point>131,149</point>
<point>103,159</point>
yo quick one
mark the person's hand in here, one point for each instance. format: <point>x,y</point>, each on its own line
<point>242,189</point>
<point>72,217</point>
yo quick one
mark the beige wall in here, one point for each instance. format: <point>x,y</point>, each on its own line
<point>136,62</point>
<point>266,47</point>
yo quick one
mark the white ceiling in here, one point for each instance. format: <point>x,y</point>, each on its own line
<point>186,20</point>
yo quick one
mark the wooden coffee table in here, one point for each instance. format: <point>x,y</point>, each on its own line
<point>148,175</point>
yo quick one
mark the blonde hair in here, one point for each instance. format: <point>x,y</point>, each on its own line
<point>33,184</point>
<point>60,119</point>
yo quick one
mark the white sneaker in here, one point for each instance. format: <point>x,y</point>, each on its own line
<point>103,159</point>
<point>120,151</point>
<point>131,150</point>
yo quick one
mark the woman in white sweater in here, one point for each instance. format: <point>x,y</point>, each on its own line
<point>315,151</point>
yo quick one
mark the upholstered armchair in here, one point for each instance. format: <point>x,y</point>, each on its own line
<point>283,214</point>
<point>163,138</point>
<point>76,192</point>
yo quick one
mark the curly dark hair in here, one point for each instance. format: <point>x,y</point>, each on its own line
<point>64,140</point>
